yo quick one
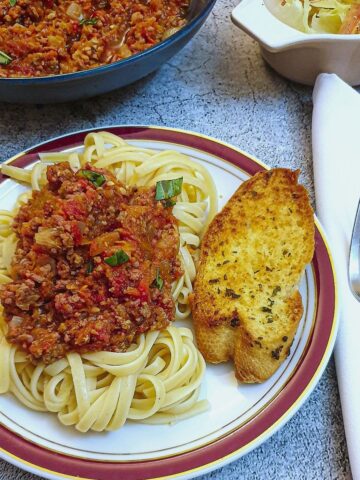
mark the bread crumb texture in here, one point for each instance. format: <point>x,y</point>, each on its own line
<point>246,303</point>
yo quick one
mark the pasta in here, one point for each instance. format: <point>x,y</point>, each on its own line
<point>158,379</point>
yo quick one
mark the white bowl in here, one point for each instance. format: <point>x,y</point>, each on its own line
<point>296,55</point>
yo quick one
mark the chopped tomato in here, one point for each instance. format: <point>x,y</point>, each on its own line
<point>143,291</point>
<point>84,184</point>
<point>73,210</point>
<point>99,297</point>
<point>38,248</point>
<point>76,233</point>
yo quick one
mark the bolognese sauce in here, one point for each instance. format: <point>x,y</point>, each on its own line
<point>50,37</point>
<point>93,267</point>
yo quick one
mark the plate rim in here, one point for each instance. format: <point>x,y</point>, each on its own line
<point>185,472</point>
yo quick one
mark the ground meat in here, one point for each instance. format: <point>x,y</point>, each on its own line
<point>50,37</point>
<point>20,296</point>
<point>84,267</point>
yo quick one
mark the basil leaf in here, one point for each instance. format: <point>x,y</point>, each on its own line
<point>158,281</point>
<point>12,3</point>
<point>118,258</point>
<point>166,189</point>
<point>88,21</point>
<point>168,203</point>
<point>89,267</point>
<point>5,59</point>
<point>95,178</point>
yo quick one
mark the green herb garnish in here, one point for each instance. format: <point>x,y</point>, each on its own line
<point>89,267</point>
<point>266,309</point>
<point>168,203</point>
<point>88,21</point>
<point>276,290</point>
<point>158,281</point>
<point>12,3</point>
<point>166,189</point>
<point>5,59</point>
<point>229,292</point>
<point>95,178</point>
<point>118,258</point>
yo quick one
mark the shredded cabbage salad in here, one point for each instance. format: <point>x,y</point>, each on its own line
<point>318,16</point>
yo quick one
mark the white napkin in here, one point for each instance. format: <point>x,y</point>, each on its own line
<point>336,154</point>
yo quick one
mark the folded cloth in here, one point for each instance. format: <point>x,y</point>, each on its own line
<point>336,157</point>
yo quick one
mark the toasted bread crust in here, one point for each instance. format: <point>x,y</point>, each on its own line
<point>246,304</point>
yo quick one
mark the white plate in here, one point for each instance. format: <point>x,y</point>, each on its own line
<point>241,416</point>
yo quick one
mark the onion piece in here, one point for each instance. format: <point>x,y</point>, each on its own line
<point>170,32</point>
<point>15,321</point>
<point>47,237</point>
<point>74,11</point>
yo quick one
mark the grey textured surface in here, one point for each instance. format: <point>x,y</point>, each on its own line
<point>218,85</point>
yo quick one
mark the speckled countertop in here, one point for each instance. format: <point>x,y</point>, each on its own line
<point>218,85</point>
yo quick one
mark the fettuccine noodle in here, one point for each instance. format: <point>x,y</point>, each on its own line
<point>158,379</point>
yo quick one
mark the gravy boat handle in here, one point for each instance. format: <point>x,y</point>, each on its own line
<point>256,20</point>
